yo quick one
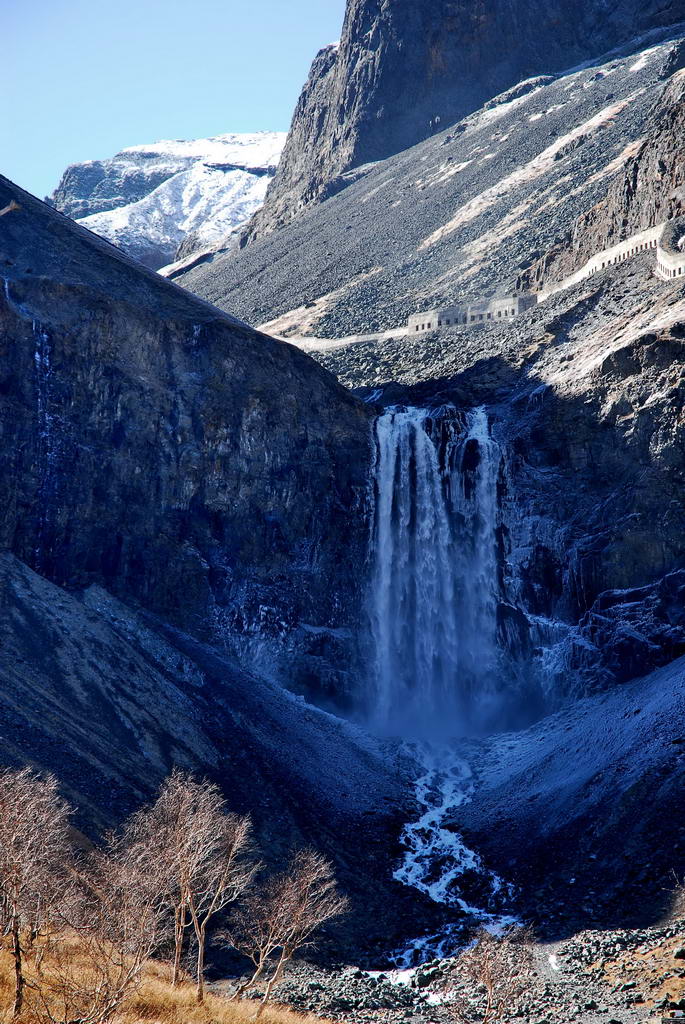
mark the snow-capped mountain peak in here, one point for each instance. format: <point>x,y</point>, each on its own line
<point>149,199</point>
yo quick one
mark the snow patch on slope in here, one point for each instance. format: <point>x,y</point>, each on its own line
<point>534,169</point>
<point>260,149</point>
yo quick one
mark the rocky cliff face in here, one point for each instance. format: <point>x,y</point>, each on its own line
<point>166,451</point>
<point>405,70</point>
<point>649,189</point>
<point>151,200</point>
<point>586,394</point>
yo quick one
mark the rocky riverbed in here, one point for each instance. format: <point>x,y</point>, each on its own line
<point>627,976</point>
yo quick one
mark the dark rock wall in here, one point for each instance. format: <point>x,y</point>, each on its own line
<point>155,446</point>
<point>594,519</point>
<point>586,396</point>
<point>406,69</point>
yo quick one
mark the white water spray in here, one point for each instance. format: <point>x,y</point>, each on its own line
<point>438,862</point>
<point>414,586</point>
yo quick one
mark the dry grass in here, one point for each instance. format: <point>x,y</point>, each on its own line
<point>156,1001</point>
<point>153,1001</point>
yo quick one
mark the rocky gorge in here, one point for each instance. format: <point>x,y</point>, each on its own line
<point>419,604</point>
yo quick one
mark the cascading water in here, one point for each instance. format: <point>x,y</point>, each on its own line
<point>433,603</point>
<point>438,862</point>
<point>414,630</point>
<point>433,612</point>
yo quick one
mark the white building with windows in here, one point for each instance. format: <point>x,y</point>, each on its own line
<point>503,308</point>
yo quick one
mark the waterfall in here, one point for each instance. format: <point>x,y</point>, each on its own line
<point>47,446</point>
<point>434,588</point>
<point>473,486</point>
<point>414,587</point>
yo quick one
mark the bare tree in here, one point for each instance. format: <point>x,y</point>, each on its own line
<point>488,980</point>
<point>159,835</point>
<point>283,915</point>
<point>34,823</point>
<point>110,920</point>
<point>224,877</point>
<point>204,854</point>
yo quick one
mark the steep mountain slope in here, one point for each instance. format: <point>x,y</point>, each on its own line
<point>649,189</point>
<point>151,199</point>
<point>165,450</point>
<point>111,699</point>
<point>404,70</point>
<point>594,762</point>
<point>461,214</point>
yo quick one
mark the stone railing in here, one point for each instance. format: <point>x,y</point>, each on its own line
<point>633,246</point>
<point>670,257</point>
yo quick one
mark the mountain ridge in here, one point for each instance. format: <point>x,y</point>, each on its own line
<point>153,198</point>
<point>459,216</point>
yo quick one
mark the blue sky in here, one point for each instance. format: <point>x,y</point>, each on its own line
<point>82,79</point>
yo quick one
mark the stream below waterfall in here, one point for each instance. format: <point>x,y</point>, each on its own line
<point>438,863</point>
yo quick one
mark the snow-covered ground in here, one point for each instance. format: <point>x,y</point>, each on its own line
<point>149,199</point>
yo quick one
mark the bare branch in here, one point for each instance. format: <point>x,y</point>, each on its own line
<point>34,823</point>
<point>284,914</point>
<point>489,980</point>
<point>203,854</point>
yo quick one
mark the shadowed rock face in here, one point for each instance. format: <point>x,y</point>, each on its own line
<point>166,451</point>
<point>586,395</point>
<point>110,698</point>
<point>405,69</point>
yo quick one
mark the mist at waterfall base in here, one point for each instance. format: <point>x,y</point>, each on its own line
<point>436,659</point>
